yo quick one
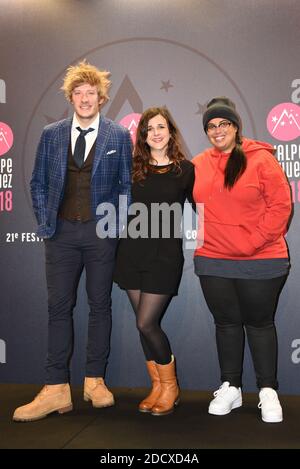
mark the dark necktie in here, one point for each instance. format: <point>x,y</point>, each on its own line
<point>79,149</point>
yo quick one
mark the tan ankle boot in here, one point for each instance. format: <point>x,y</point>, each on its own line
<point>169,396</point>
<point>147,404</point>
<point>52,398</point>
<point>96,391</point>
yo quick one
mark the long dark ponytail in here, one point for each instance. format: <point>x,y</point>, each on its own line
<point>236,163</point>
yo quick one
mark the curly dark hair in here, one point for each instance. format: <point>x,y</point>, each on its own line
<point>142,153</point>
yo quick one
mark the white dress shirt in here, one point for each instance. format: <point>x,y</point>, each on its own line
<point>89,138</point>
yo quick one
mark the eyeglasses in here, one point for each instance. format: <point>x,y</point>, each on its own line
<point>223,126</point>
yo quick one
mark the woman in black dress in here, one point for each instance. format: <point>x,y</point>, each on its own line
<point>150,258</point>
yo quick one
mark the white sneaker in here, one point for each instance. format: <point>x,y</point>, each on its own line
<point>226,398</point>
<point>271,410</point>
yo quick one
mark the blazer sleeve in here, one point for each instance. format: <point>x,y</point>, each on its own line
<point>39,181</point>
<point>125,168</point>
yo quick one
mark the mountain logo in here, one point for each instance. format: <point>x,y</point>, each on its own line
<point>131,121</point>
<point>283,122</point>
<point>6,138</point>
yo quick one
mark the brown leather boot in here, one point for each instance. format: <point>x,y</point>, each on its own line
<point>169,396</point>
<point>52,398</point>
<point>147,404</point>
<point>96,391</point>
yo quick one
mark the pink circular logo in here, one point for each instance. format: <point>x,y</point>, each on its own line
<point>6,138</point>
<point>283,121</point>
<point>131,122</point>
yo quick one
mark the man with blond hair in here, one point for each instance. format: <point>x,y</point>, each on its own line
<point>81,162</point>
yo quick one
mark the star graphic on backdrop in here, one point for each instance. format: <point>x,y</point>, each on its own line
<point>166,85</point>
<point>201,109</point>
<point>51,119</point>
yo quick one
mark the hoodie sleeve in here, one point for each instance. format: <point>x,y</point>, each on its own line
<point>277,195</point>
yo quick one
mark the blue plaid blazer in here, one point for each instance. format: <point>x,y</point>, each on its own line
<point>110,178</point>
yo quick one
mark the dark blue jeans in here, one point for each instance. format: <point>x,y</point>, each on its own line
<point>75,246</point>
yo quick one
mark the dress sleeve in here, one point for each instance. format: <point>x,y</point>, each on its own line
<point>190,179</point>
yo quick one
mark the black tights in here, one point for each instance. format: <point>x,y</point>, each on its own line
<point>235,303</point>
<point>149,309</point>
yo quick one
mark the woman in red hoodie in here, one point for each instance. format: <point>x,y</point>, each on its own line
<point>242,261</point>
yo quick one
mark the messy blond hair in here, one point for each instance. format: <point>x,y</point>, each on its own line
<point>83,72</point>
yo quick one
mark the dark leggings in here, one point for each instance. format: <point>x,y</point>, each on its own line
<point>235,303</point>
<point>149,309</point>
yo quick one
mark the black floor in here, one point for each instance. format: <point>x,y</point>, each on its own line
<point>122,426</point>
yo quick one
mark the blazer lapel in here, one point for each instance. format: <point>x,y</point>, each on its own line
<point>101,142</point>
<point>64,141</point>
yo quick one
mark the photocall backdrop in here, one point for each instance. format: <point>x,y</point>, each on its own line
<point>178,53</point>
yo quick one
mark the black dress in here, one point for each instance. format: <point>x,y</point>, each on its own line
<point>154,264</point>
